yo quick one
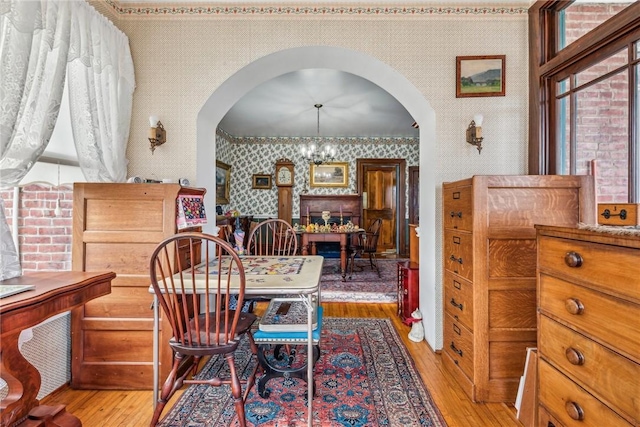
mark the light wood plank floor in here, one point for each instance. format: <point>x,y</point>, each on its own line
<point>133,408</point>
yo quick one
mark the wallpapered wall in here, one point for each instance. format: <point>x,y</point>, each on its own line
<point>250,156</point>
<point>183,54</point>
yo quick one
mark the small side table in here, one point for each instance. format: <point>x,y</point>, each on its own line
<point>408,289</point>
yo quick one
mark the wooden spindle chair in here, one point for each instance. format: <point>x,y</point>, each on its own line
<point>367,243</point>
<point>194,296</point>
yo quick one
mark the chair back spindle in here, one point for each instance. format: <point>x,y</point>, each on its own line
<point>273,237</point>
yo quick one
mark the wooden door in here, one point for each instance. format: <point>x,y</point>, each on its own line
<point>381,183</point>
<point>414,195</point>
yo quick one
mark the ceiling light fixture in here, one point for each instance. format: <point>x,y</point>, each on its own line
<point>316,151</point>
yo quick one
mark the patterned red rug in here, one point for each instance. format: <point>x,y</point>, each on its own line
<point>364,377</point>
<point>364,286</point>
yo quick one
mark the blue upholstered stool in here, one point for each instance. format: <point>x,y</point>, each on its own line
<point>277,352</point>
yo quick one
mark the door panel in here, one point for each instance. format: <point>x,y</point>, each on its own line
<point>379,183</point>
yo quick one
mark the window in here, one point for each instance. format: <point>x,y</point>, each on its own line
<point>588,96</point>
<point>582,16</point>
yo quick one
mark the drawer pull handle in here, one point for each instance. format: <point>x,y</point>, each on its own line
<point>455,304</point>
<point>574,306</point>
<point>455,350</point>
<point>573,259</point>
<point>607,214</point>
<point>574,410</point>
<point>454,259</point>
<point>454,214</point>
<point>574,356</point>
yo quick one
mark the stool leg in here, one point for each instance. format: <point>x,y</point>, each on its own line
<point>270,371</point>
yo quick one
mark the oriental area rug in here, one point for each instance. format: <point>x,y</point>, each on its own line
<point>364,377</point>
<point>364,286</point>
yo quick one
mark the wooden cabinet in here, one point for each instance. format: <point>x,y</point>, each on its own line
<point>489,272</point>
<point>116,227</point>
<point>588,335</point>
<point>414,244</point>
<point>408,289</point>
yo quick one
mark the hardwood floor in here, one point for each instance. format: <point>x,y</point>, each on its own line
<point>133,408</point>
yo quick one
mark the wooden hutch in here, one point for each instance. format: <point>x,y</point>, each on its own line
<point>116,227</point>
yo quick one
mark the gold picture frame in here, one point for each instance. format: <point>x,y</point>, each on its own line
<point>223,182</point>
<point>261,181</point>
<point>480,76</point>
<point>334,174</point>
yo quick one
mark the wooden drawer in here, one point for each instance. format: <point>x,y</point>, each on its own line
<point>457,202</point>
<point>563,398</point>
<point>597,368</point>
<point>458,299</point>
<point>611,320</point>
<point>458,253</point>
<point>611,268</point>
<point>458,343</point>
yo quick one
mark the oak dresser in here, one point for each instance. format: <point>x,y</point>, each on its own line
<point>589,328</point>
<point>489,265</point>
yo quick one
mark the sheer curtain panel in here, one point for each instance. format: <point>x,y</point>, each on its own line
<point>33,57</point>
<point>101,82</point>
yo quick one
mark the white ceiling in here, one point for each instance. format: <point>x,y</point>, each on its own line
<point>351,107</point>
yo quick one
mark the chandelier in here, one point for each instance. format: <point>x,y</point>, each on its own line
<point>316,151</point>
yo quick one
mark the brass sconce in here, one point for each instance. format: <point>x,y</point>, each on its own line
<point>157,134</point>
<point>474,132</point>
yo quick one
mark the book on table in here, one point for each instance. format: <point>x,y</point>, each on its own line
<point>8,290</point>
<point>287,315</point>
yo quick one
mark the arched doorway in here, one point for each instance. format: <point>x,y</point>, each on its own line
<point>365,66</point>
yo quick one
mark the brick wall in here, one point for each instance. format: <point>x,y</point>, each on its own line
<point>44,239</point>
<point>602,132</point>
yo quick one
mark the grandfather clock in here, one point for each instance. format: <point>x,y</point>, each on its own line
<point>284,182</point>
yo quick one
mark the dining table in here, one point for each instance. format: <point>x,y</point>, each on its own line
<point>309,239</point>
<point>266,276</point>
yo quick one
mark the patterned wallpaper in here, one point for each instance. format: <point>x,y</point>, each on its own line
<point>182,55</point>
<point>258,155</point>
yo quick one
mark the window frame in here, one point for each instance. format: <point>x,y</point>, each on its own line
<point>549,65</point>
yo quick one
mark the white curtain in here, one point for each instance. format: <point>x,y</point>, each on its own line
<point>37,40</point>
<point>33,55</point>
<point>101,83</point>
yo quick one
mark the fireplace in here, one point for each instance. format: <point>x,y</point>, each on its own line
<point>315,204</point>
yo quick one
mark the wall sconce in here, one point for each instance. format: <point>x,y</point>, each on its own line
<point>474,132</point>
<point>157,134</point>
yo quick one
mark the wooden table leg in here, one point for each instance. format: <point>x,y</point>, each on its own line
<point>343,256</point>
<point>22,378</point>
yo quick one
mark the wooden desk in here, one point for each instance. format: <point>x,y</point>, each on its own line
<point>56,292</point>
<point>343,237</point>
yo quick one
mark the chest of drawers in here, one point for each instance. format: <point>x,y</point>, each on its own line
<point>489,272</point>
<point>589,328</point>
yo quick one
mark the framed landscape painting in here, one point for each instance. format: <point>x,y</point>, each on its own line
<point>261,181</point>
<point>480,76</point>
<point>329,175</point>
